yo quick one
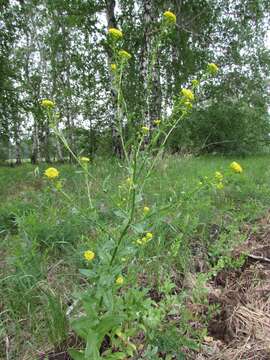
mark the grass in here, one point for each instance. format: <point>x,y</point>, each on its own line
<point>43,238</point>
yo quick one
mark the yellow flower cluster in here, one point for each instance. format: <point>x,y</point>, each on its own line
<point>170,16</point>
<point>129,182</point>
<point>219,180</point>
<point>51,173</point>
<point>212,68</point>
<point>115,33</point>
<point>237,168</point>
<point>124,55</point>
<point>220,185</point>
<point>145,239</point>
<point>187,94</point>
<point>195,82</point>
<point>89,255</point>
<point>146,210</point>
<point>157,122</point>
<point>119,280</point>
<point>113,67</point>
<point>48,104</point>
<point>84,159</point>
<point>218,176</point>
<point>145,130</point>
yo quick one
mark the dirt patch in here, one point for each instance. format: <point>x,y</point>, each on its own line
<point>241,330</point>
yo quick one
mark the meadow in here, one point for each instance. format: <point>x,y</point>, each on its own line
<point>46,229</point>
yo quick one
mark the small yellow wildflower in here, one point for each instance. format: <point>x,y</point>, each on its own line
<point>220,186</point>
<point>113,67</point>
<point>212,68</point>
<point>119,280</point>
<point>188,94</point>
<point>188,105</point>
<point>49,104</point>
<point>145,130</point>
<point>195,82</point>
<point>149,236</point>
<point>170,16</point>
<point>51,173</point>
<point>139,242</point>
<point>157,122</point>
<point>115,33</point>
<point>144,240</point>
<point>237,168</point>
<point>84,159</point>
<point>129,182</point>
<point>89,255</point>
<point>218,176</point>
<point>146,210</point>
<point>124,55</point>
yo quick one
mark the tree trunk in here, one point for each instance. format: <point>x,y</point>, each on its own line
<point>17,144</point>
<point>149,66</point>
<point>111,23</point>
<point>35,155</point>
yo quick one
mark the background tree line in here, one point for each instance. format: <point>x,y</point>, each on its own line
<point>58,49</point>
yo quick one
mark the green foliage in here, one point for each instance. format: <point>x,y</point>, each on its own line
<point>225,127</point>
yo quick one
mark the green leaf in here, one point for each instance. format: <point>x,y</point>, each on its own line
<point>116,356</point>
<point>92,345</point>
<point>76,355</point>
<point>88,273</point>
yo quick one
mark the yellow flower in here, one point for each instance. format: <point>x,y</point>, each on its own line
<point>51,173</point>
<point>119,280</point>
<point>170,16</point>
<point>157,122</point>
<point>129,182</point>
<point>237,168</point>
<point>139,242</point>
<point>146,210</point>
<point>188,94</point>
<point>84,159</point>
<point>145,130</point>
<point>220,186</point>
<point>115,33</point>
<point>188,105</point>
<point>212,68</point>
<point>49,104</point>
<point>149,236</point>
<point>124,55</point>
<point>218,176</point>
<point>195,82</point>
<point>89,255</point>
<point>113,67</point>
<point>144,240</point>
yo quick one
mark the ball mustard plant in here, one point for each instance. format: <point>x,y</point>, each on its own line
<point>84,159</point>
<point>237,168</point>
<point>187,94</point>
<point>48,104</point>
<point>212,68</point>
<point>218,176</point>
<point>119,280</point>
<point>113,67</point>
<point>124,55</point>
<point>145,130</point>
<point>146,210</point>
<point>51,173</point>
<point>115,33</point>
<point>170,17</point>
<point>89,255</point>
